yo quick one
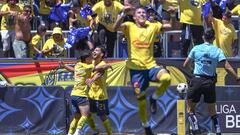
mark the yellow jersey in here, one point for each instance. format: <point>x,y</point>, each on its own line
<point>224,36</point>
<point>98,90</point>
<point>167,3</point>
<point>144,2</point>
<point>140,45</point>
<point>49,44</point>
<point>34,42</point>
<point>191,14</point>
<point>82,71</point>
<point>44,9</point>
<point>8,21</point>
<point>236,10</point>
<point>107,16</point>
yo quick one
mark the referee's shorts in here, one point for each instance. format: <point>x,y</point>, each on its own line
<point>202,85</point>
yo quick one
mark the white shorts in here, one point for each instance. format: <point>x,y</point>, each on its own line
<point>8,37</point>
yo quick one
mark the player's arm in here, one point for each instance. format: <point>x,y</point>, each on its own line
<point>89,81</point>
<point>119,22</point>
<point>102,68</point>
<point>230,70</point>
<point>186,62</point>
<point>69,68</point>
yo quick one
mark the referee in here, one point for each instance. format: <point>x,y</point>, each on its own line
<point>206,57</point>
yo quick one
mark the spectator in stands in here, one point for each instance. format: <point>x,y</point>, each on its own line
<point>34,47</point>
<point>107,11</point>
<point>192,29</point>
<point>226,36</point>
<point>76,21</point>
<point>206,58</point>
<point>143,68</point>
<point>9,12</point>
<point>54,46</point>
<point>23,33</point>
<point>236,10</point>
<point>44,11</point>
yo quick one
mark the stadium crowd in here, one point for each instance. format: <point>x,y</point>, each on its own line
<point>20,17</point>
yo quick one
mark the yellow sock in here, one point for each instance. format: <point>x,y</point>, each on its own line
<point>107,126</point>
<point>81,122</point>
<point>165,81</point>
<point>142,110</point>
<point>73,126</point>
<point>91,122</point>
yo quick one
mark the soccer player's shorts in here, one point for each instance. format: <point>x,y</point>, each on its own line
<point>99,106</point>
<point>202,85</point>
<point>76,101</point>
<point>141,78</point>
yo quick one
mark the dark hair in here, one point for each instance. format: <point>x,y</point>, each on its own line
<point>103,49</point>
<point>27,6</point>
<point>41,28</point>
<point>209,34</point>
<point>85,54</point>
<point>228,14</point>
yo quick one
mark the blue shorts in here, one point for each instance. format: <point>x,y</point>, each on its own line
<point>143,77</point>
<point>99,106</point>
<point>76,101</point>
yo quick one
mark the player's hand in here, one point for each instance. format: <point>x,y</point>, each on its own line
<point>89,82</point>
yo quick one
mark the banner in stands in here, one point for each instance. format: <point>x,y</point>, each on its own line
<point>44,110</point>
<point>48,73</point>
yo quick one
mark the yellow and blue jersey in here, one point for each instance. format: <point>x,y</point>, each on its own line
<point>98,90</point>
<point>82,71</point>
<point>140,45</point>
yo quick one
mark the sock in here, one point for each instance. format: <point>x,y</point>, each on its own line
<point>81,122</point>
<point>216,124</point>
<point>165,81</point>
<point>73,126</point>
<point>142,110</point>
<point>193,121</point>
<point>91,122</point>
<point>107,126</point>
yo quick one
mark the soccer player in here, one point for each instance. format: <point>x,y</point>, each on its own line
<point>143,67</point>
<point>206,56</point>
<point>79,95</point>
<point>82,70</point>
<point>98,96</point>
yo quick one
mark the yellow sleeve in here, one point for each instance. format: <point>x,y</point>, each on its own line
<point>126,26</point>
<point>35,40</point>
<point>96,7</point>
<point>4,8</point>
<point>47,44</point>
<point>159,27</point>
<point>236,10</point>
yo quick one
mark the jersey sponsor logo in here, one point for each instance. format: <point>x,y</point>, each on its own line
<point>140,44</point>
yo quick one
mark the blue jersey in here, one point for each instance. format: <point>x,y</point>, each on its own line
<point>206,57</point>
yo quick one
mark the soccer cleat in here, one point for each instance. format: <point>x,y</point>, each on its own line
<point>153,105</point>
<point>148,131</point>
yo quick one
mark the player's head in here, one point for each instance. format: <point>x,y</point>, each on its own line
<point>86,56</point>
<point>41,30</point>
<point>140,16</point>
<point>107,3</point>
<point>226,18</point>
<point>209,35</point>
<point>99,52</point>
<point>27,10</point>
<point>151,14</point>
